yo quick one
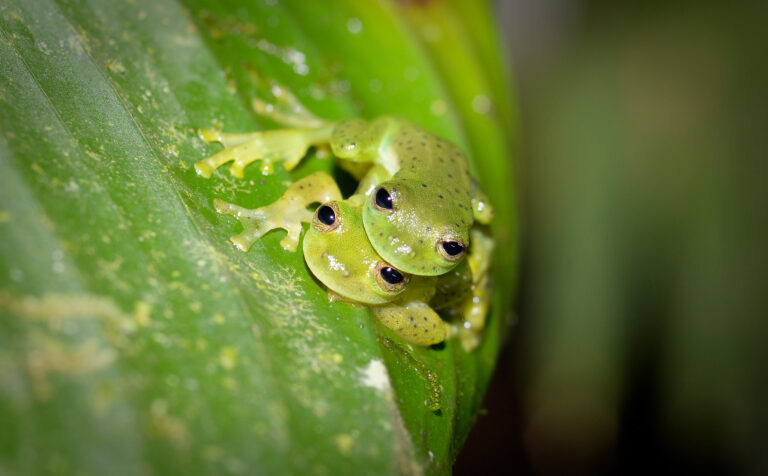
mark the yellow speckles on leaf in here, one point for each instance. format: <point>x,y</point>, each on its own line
<point>57,308</point>
<point>228,357</point>
<point>335,358</point>
<point>147,235</point>
<point>142,314</point>
<point>344,443</point>
<point>255,276</point>
<point>115,66</point>
<point>36,168</point>
<point>171,150</point>
<point>231,86</point>
<point>229,383</point>
<point>5,216</point>
<point>50,356</point>
<point>218,318</point>
<point>167,425</point>
<point>195,306</point>
<point>181,287</point>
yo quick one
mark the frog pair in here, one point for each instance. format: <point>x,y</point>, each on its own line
<point>398,244</point>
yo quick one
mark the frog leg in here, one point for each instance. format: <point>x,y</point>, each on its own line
<point>463,295</point>
<point>481,207</point>
<point>283,145</point>
<point>287,213</point>
<point>474,309</point>
<point>415,322</point>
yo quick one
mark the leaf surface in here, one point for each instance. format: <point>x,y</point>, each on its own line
<point>133,337</point>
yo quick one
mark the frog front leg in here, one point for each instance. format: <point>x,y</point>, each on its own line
<point>283,145</point>
<point>355,140</point>
<point>287,213</point>
<point>474,309</point>
<point>414,321</point>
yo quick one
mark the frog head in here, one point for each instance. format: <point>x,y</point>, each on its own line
<point>337,251</point>
<point>416,228</point>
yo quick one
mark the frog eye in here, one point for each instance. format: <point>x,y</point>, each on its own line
<point>326,217</point>
<point>382,200</point>
<point>390,279</point>
<point>451,250</point>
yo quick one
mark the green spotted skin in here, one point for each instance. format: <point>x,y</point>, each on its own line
<point>434,198</point>
<point>341,257</point>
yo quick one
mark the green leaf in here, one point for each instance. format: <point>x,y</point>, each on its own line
<point>133,337</point>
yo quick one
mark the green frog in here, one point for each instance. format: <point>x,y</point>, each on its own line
<point>339,254</point>
<point>420,204</point>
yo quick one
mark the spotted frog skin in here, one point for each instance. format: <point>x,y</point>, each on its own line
<point>337,251</point>
<point>420,208</point>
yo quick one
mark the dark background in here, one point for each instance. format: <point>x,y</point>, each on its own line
<point>643,182</point>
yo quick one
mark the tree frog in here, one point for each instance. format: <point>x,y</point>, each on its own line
<point>337,251</point>
<point>418,212</point>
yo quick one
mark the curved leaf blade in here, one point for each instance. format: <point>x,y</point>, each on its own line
<point>127,319</point>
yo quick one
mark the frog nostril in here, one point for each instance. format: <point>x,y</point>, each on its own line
<point>383,199</point>
<point>326,215</point>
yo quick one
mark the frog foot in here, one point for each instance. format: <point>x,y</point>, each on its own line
<point>287,213</point>
<point>415,322</point>
<point>259,221</point>
<point>283,145</point>
<point>469,318</point>
<point>470,338</point>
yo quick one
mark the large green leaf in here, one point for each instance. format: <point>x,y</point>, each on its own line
<point>133,337</point>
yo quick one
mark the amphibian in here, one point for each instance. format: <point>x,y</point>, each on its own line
<point>423,203</point>
<point>338,253</point>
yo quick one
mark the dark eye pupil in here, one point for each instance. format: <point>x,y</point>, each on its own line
<point>383,199</point>
<point>391,275</point>
<point>325,215</point>
<point>453,248</point>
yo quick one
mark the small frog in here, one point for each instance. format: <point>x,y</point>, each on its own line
<point>337,251</point>
<point>420,208</point>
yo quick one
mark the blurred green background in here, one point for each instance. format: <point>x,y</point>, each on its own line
<point>640,344</point>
